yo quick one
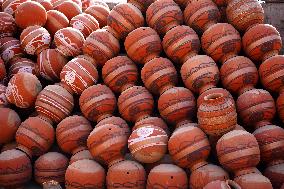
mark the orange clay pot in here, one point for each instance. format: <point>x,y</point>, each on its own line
<point>55,21</point>
<point>100,13</point>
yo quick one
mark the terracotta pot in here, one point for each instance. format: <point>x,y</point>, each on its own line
<point>46,4</point>
<point>101,45</point>
<point>167,176</point>
<point>69,9</point>
<point>275,174</point>
<point>148,144</point>
<point>280,106</point>
<point>120,73</point>
<point>135,103</point>
<point>256,106</point>
<point>200,73</point>
<point>156,121</point>
<point>72,133</point>
<point>142,5</point>
<point>115,121</point>
<point>177,106</point>
<point>239,74</point>
<point>84,23</point>
<point>14,164</point>
<point>3,99</point>
<point>51,185</point>
<point>261,41</point>
<point>100,13</point>
<point>10,49</point>
<point>10,121</point>
<point>97,102</point>
<point>22,65</point>
<point>221,41</point>
<point>8,25</point>
<point>181,43</point>
<point>50,166</point>
<point>84,154</point>
<point>253,180</point>
<point>55,21</point>
<point>163,16</point>
<point>159,75</point>
<point>228,184</point>
<point>84,173</point>
<point>124,18</point>
<point>201,14</point>
<point>62,103</point>
<point>143,44</point>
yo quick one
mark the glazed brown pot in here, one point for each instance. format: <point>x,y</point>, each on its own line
<point>200,73</point>
<point>143,44</point>
<point>163,16</point>
<point>142,5</point>
<point>218,184</point>
<point>99,12</point>
<point>261,41</point>
<point>126,174</point>
<point>84,154</point>
<point>72,133</point>
<point>280,106</point>
<point>167,176</point>
<point>275,173</point>
<point>253,180</point>
<point>152,121</point>
<point>221,41</point>
<point>159,75</point>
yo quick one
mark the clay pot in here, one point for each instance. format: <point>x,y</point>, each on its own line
<point>181,43</point>
<point>124,18</point>
<point>243,14</point>
<point>3,99</point>
<point>85,23</point>
<point>280,106</point>
<point>46,4</point>
<point>55,21</point>
<point>201,14</point>
<point>14,164</point>
<point>84,173</point>
<point>221,41</point>
<point>72,133</point>
<point>10,121</point>
<point>22,65</point>
<point>97,102</point>
<point>135,103</point>
<point>50,166</point>
<point>167,176</point>
<point>239,74</point>
<point>10,49</point>
<point>10,6</point>
<point>69,41</point>
<point>275,174</point>
<point>256,106</point>
<point>120,73</point>
<point>101,45</point>
<point>69,9</point>
<point>156,121</point>
<point>177,106</point>
<point>54,103</point>
<point>159,75</point>
<point>100,13</point>
<point>84,154</point>
<point>8,25</point>
<point>115,121</point>
<point>148,144</point>
<point>163,16</point>
<point>23,89</point>
<point>261,41</point>
<point>253,180</point>
<point>126,174</point>
<point>218,184</point>
<point>200,73</point>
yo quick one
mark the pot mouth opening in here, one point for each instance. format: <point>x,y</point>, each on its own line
<point>214,96</point>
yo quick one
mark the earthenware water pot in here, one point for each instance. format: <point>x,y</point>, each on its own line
<point>275,173</point>
<point>252,180</point>
<point>228,184</point>
<point>142,5</point>
<point>99,12</point>
<point>3,99</point>
<point>159,122</point>
<point>69,8</point>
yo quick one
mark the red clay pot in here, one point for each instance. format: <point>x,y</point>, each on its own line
<point>200,73</point>
<point>156,121</point>
<point>69,9</point>
<point>100,13</point>
<point>261,41</point>
<point>84,23</point>
<point>10,121</point>
<point>143,44</point>
<point>275,173</point>
<point>163,16</point>
<point>253,180</point>
<point>10,49</point>
<point>22,65</point>
<point>55,21</point>
<point>280,106</point>
<point>84,154</point>
<point>8,25</point>
<point>115,121</point>
<point>218,184</point>
<point>10,6</point>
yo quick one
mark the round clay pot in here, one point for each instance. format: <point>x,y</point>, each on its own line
<point>177,106</point>
<point>97,102</point>
<point>46,4</point>
<point>84,23</point>
<point>167,176</point>
<point>218,184</point>
<point>275,173</point>
<point>8,25</point>
<point>101,45</point>
<point>221,41</point>
<point>261,41</point>
<point>200,73</point>
<point>148,144</point>
<point>100,13</point>
<point>22,65</point>
<point>23,89</point>
<point>159,75</point>
<point>201,14</point>
<point>10,49</point>
<point>120,73</point>
<point>54,103</point>
<point>55,21</point>
<point>255,106</point>
<point>10,121</point>
<point>280,106</point>
<point>126,174</point>
<point>3,99</point>
<point>181,43</point>
<point>84,173</point>
<point>84,154</point>
<point>69,41</point>
<point>72,133</point>
<point>50,166</point>
<point>239,74</point>
<point>156,121</point>
<point>69,9</point>
<point>14,164</point>
<point>135,103</point>
<point>253,180</point>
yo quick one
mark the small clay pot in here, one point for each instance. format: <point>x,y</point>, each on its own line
<point>159,75</point>
<point>274,172</point>
<point>69,8</point>
<point>55,21</point>
<point>261,42</point>
<point>72,133</point>
<point>218,184</point>
<point>200,73</point>
<point>143,44</point>
<point>221,41</point>
<point>280,106</point>
<point>22,65</point>
<point>253,180</point>
<point>8,25</point>
<point>163,16</point>
<point>167,176</point>
<point>84,154</point>
<point>50,166</point>
<point>156,121</point>
<point>124,18</point>
<point>120,73</point>
<point>10,49</point>
<point>84,23</point>
<point>100,13</point>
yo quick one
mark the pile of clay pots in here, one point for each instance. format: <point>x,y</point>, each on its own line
<point>151,94</point>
